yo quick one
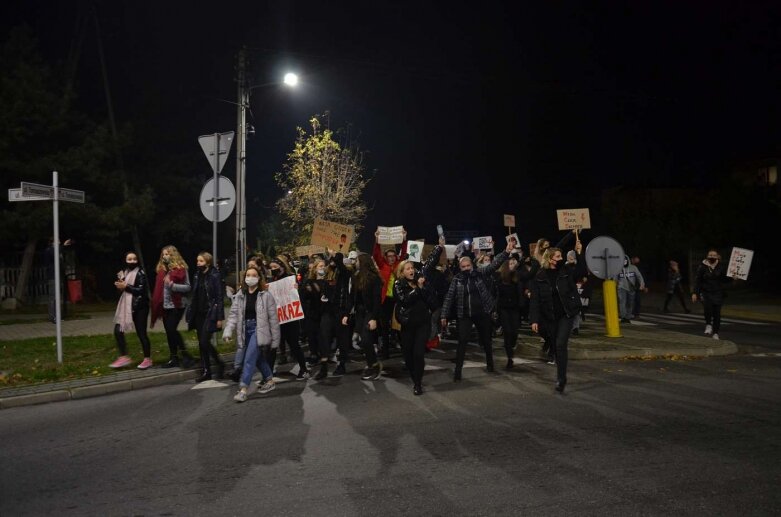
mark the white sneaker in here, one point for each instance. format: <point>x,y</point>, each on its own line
<point>715,336</point>
<point>267,386</point>
<point>241,396</point>
<point>708,330</point>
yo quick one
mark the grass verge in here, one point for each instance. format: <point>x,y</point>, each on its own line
<point>34,361</point>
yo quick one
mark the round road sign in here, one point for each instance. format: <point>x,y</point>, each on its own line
<point>226,200</point>
<point>604,257</point>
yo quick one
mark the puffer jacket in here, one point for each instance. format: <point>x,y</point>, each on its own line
<point>267,331</point>
<point>457,291</point>
<point>414,304</point>
<point>709,282</point>
<point>215,292</point>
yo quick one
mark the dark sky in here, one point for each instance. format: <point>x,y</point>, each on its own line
<point>467,110</point>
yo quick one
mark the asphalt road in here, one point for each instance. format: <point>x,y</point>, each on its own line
<point>628,438</point>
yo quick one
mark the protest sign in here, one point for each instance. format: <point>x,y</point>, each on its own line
<point>509,220</point>
<point>390,234</point>
<point>286,296</point>
<point>332,235</point>
<point>573,218</point>
<point>513,237</point>
<point>307,251</point>
<point>415,250</point>
<point>740,263</point>
<point>483,243</point>
<point>450,251</point>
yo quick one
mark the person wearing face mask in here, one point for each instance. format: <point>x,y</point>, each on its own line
<point>206,314</point>
<point>386,264</point>
<point>365,304</point>
<point>334,305</point>
<point>132,311</point>
<point>473,303</point>
<point>554,304</point>
<point>438,280</point>
<point>291,330</point>
<point>253,317</point>
<point>310,291</point>
<point>415,302</point>
<point>630,282</point>
<point>709,289</point>
<point>172,283</point>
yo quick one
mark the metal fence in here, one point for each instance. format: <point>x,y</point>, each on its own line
<point>37,285</point>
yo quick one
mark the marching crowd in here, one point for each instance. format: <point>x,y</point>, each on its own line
<point>377,302</point>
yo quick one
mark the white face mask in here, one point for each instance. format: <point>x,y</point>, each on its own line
<point>251,281</point>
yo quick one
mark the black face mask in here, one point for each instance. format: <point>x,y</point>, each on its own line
<point>131,265</point>
<point>712,260</point>
<point>558,263</point>
<point>275,273</point>
<point>203,269</point>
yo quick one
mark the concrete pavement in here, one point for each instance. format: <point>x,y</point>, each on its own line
<point>637,341</point>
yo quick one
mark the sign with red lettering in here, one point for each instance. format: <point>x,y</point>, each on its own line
<point>285,293</point>
<point>574,219</point>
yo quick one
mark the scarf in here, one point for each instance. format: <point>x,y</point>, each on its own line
<point>124,314</point>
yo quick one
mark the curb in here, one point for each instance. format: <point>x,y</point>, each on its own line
<point>731,312</point>
<point>618,351</point>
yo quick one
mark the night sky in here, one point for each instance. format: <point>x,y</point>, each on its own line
<point>466,111</point>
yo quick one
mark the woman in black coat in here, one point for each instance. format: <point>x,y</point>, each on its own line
<point>709,289</point>
<point>132,311</point>
<point>206,313</point>
<point>554,304</point>
<point>365,302</point>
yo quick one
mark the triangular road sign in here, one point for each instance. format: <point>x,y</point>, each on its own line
<point>209,144</point>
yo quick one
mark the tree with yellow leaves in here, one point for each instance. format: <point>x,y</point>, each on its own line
<point>321,178</point>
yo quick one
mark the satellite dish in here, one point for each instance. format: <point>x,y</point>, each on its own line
<point>604,257</point>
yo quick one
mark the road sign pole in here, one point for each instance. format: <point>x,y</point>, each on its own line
<point>57,291</point>
<point>216,196</point>
<point>610,300</point>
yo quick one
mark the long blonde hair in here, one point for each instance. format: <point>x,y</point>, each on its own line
<point>176,261</point>
<point>547,256</point>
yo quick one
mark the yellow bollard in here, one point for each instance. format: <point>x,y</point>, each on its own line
<point>610,297</point>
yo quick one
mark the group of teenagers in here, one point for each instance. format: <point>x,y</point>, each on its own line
<point>379,300</point>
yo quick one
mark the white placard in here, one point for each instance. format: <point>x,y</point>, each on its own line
<point>509,220</point>
<point>483,243</point>
<point>390,234</point>
<point>740,263</point>
<point>450,251</point>
<point>415,250</point>
<point>574,218</point>
<point>515,239</point>
<point>286,296</point>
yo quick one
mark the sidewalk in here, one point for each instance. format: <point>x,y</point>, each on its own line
<point>590,344</point>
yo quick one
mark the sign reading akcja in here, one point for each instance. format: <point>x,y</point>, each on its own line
<point>334,236</point>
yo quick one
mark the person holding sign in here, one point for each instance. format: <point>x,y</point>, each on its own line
<point>253,317</point>
<point>291,330</point>
<point>709,289</point>
<point>386,263</point>
<point>473,303</point>
<point>415,302</point>
<point>554,304</point>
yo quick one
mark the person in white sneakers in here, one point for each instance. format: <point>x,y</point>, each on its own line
<point>709,289</point>
<point>132,311</point>
<point>253,316</point>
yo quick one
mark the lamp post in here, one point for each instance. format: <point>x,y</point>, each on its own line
<point>244,90</point>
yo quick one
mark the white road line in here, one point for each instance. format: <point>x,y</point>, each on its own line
<point>698,318</point>
<point>663,320</point>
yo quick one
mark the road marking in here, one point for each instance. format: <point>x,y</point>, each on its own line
<point>663,320</point>
<point>205,385</point>
<point>699,319</point>
<point>768,354</point>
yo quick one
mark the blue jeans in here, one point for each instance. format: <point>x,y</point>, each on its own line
<point>252,356</point>
<point>626,304</point>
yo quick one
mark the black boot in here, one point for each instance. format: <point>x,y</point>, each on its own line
<point>206,375</point>
<point>417,390</point>
<point>235,375</point>
<point>188,361</point>
<point>220,369</point>
<point>172,363</point>
<point>457,374</point>
<point>323,373</point>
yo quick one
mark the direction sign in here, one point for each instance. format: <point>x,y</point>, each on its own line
<point>37,190</point>
<point>75,196</point>
<point>209,144</point>
<point>225,202</point>
<point>15,194</point>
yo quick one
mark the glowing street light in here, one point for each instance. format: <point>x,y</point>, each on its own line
<point>291,79</point>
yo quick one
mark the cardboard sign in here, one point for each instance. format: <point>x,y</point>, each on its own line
<point>740,263</point>
<point>513,237</point>
<point>509,220</point>
<point>332,235</point>
<point>415,250</point>
<point>390,234</point>
<point>450,251</point>
<point>308,251</point>
<point>574,218</point>
<point>288,303</point>
<point>483,243</point>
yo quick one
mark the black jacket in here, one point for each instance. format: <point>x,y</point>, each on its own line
<point>541,302</point>
<point>337,291</point>
<point>139,291</point>
<point>214,298</point>
<point>310,292</point>
<point>709,282</point>
<point>413,304</point>
<point>368,300</point>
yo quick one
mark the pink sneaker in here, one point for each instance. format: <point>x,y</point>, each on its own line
<point>146,363</point>
<point>121,362</point>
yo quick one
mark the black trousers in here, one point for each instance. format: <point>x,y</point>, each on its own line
<point>205,346</point>
<point>678,291</point>
<point>413,346</point>
<point>557,333</point>
<point>139,320</point>
<point>331,328</point>
<point>511,322</point>
<point>482,323</point>
<point>368,338</point>
<point>712,314</point>
<point>291,334</point>
<point>171,319</point>
<point>387,318</point>
<point>312,325</point>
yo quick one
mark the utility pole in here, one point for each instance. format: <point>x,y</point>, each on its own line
<point>241,164</point>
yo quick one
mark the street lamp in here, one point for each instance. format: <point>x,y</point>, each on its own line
<point>291,80</point>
